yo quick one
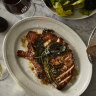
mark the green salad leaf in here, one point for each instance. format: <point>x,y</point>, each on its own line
<point>86,12</point>
<point>78,4</point>
<point>60,1</point>
<point>60,11</point>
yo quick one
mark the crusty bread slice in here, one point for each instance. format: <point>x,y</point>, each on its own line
<point>91,50</point>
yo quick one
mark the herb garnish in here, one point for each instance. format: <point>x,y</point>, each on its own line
<point>43,56</point>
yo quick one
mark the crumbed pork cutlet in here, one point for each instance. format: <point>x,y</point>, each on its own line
<point>51,56</point>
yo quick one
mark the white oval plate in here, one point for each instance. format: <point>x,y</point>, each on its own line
<point>19,68</point>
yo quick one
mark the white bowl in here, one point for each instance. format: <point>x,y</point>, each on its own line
<point>76,16</point>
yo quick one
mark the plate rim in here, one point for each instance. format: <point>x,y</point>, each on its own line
<point>38,17</point>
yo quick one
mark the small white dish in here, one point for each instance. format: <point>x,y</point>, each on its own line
<point>19,68</point>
